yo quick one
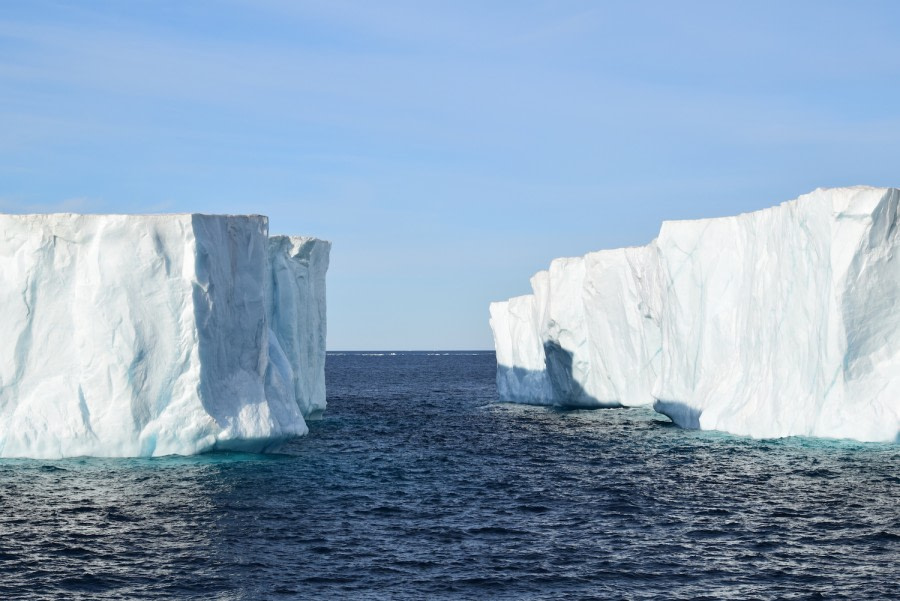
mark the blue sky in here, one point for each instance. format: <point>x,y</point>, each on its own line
<point>448,149</point>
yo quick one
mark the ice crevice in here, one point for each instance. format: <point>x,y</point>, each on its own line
<point>774,323</point>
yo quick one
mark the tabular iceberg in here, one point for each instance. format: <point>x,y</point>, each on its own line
<point>774,323</point>
<point>129,335</point>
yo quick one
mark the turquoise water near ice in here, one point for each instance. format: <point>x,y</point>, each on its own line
<point>417,484</point>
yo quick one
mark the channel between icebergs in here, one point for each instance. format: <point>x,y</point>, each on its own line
<point>130,335</point>
<point>775,323</point>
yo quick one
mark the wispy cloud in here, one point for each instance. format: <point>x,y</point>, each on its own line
<point>418,135</point>
<point>67,205</point>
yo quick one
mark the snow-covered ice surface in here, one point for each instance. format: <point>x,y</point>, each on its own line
<point>775,323</point>
<point>127,335</point>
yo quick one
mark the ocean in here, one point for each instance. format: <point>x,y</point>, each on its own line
<point>418,484</point>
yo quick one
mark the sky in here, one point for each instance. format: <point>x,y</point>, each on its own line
<point>451,149</point>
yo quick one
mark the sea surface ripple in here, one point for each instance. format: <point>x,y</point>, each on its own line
<point>417,484</point>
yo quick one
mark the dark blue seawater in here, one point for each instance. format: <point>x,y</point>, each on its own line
<point>418,485</point>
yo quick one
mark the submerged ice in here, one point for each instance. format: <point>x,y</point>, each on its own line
<point>153,335</point>
<point>774,323</point>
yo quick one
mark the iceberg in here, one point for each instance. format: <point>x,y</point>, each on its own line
<point>781,322</point>
<point>128,335</point>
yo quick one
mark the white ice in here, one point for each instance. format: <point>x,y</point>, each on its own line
<point>775,323</point>
<point>153,335</point>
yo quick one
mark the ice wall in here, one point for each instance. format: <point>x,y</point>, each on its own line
<point>586,337</point>
<point>774,323</point>
<point>145,335</point>
<point>296,312</point>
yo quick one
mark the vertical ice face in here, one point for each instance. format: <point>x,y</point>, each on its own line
<point>140,335</point>
<point>782,322</point>
<point>622,330</point>
<point>585,337</point>
<point>774,323</point>
<point>296,312</point>
<point>521,375</point>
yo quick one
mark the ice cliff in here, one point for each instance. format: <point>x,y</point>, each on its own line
<point>774,323</point>
<point>128,335</point>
